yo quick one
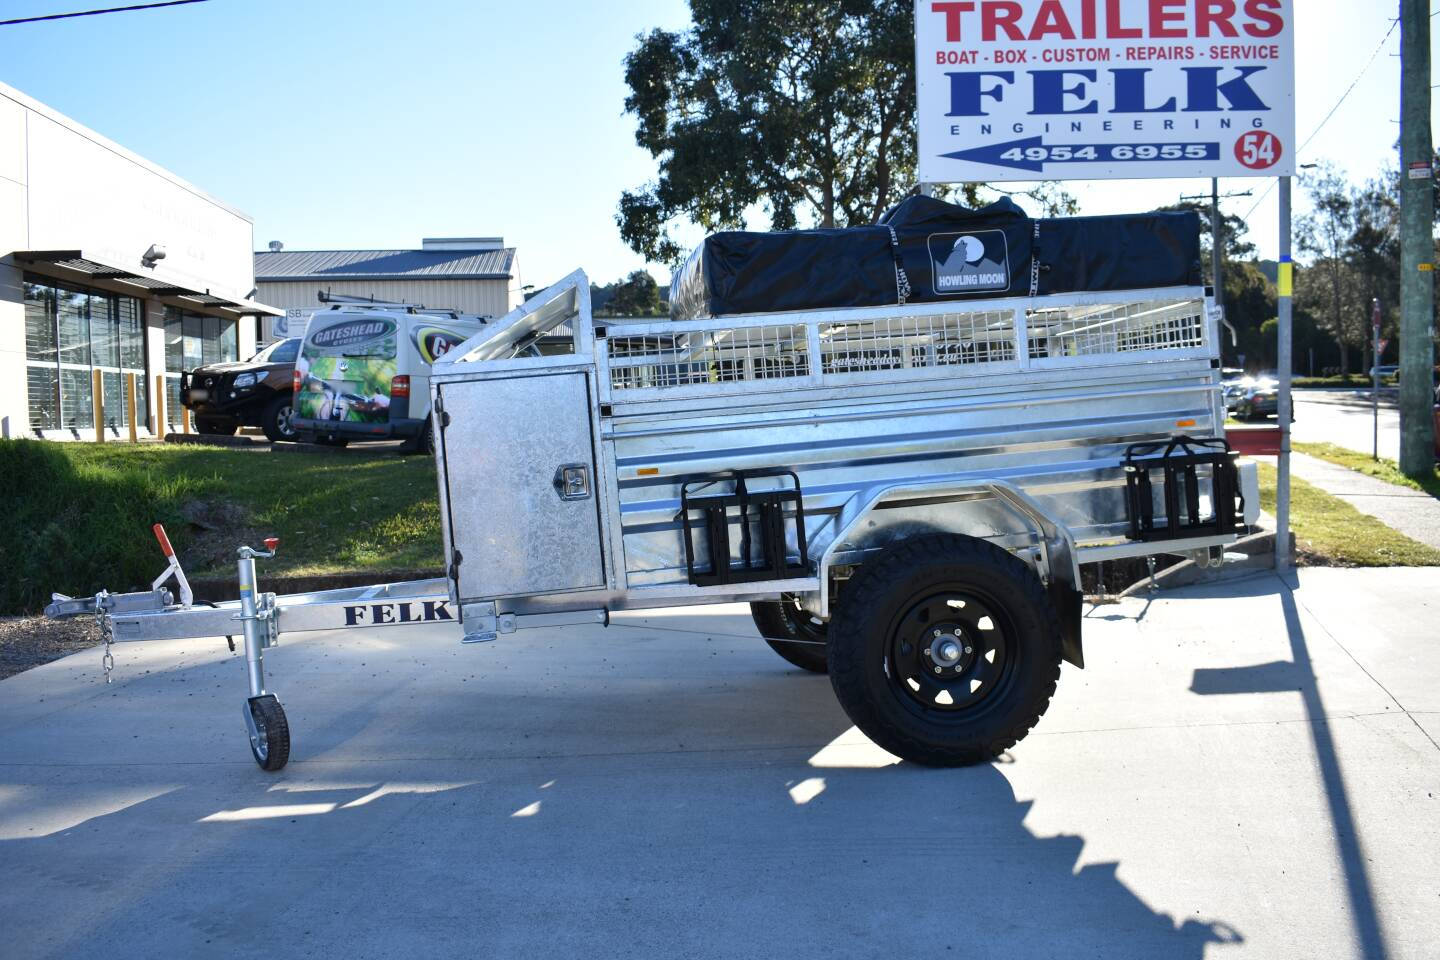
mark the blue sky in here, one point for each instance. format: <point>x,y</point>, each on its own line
<point>362,124</point>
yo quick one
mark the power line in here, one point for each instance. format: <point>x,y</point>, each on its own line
<point>92,13</point>
<point>1316,132</point>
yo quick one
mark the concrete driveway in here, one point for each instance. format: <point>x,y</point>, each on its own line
<point>1242,771</point>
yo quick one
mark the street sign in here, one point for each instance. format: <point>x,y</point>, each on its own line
<point>1104,89</point>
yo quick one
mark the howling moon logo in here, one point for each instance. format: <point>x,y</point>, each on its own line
<point>973,248</point>
<point>973,262</point>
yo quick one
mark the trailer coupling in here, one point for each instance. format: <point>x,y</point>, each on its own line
<point>257,616</point>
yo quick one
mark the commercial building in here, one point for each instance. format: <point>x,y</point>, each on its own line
<point>475,275</point>
<point>108,264</point>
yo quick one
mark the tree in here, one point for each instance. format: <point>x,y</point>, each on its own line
<point>1250,303</point>
<point>638,295</point>
<point>1232,228</point>
<point>797,108</point>
<point>1248,296</point>
<point>1325,232</point>
<point>1374,251</point>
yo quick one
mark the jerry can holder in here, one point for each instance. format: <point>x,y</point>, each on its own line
<point>1181,461</point>
<point>761,515</point>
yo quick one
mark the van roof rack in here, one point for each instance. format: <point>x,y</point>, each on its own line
<point>339,300</point>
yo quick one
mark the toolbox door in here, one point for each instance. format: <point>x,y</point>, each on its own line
<point>520,485</point>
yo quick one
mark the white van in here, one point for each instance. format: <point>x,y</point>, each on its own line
<point>363,372</point>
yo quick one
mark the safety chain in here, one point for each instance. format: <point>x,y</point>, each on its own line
<point>107,662</point>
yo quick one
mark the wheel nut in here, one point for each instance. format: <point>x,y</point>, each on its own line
<point>938,670</point>
<point>969,649</point>
<point>937,633</point>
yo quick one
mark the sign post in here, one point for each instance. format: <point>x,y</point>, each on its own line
<point>1115,89</point>
<point>1284,309</point>
<point>1375,375</point>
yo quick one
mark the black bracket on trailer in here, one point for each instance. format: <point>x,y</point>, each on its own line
<point>763,513</point>
<point>1182,460</point>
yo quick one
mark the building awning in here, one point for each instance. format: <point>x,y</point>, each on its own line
<point>73,264</point>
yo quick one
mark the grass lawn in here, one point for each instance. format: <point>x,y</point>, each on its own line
<point>1330,532</point>
<point>1382,469</point>
<point>85,510</point>
<point>81,516</point>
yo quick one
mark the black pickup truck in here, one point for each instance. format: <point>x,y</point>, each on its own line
<point>253,393</point>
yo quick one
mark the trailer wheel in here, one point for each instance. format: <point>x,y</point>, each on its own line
<point>945,650</point>
<point>269,732</point>
<point>792,632</point>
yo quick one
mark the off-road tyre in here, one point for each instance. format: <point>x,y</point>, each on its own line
<point>216,428</point>
<point>876,615</point>
<point>792,632</point>
<point>276,419</point>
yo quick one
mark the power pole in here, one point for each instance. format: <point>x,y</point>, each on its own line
<point>1215,242</point>
<point>1417,247</point>
<point>1217,238</point>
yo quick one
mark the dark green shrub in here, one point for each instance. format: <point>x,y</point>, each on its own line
<point>75,527</point>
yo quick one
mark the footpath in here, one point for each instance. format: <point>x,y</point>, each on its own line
<point>1414,513</point>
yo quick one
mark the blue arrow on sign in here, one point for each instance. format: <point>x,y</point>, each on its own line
<point>1032,153</point>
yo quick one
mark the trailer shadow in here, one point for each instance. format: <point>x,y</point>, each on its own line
<point>746,841</point>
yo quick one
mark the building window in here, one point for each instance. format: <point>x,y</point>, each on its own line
<point>194,340</point>
<point>70,332</point>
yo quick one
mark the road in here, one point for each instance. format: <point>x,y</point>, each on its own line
<point>1343,417</point>
<point>1245,769</point>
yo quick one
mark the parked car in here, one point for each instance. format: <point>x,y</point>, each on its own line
<point>253,393</point>
<point>1256,397</point>
<point>1232,380</point>
<point>363,372</point>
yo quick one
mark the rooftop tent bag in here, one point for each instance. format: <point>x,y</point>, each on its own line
<point>923,250</point>
<point>949,252</point>
<point>748,272</point>
<point>928,251</point>
<point>1124,252</point>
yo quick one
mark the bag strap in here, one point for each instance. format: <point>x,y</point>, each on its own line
<point>902,280</point>
<point>1035,260</point>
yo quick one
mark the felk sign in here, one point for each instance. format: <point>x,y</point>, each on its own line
<point>1104,89</point>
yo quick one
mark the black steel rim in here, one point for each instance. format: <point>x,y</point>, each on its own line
<point>806,625</point>
<point>951,654</point>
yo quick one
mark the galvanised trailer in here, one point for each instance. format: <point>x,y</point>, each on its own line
<point>904,494</point>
